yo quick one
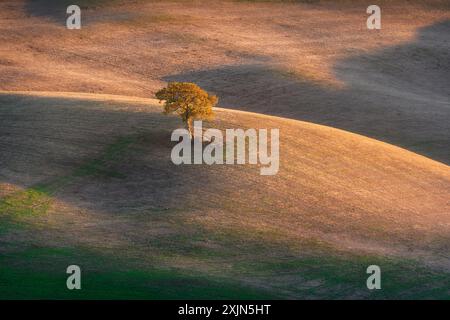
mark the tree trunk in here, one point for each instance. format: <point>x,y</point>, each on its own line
<point>190,127</point>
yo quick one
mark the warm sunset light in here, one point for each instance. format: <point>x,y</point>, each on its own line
<point>216,150</point>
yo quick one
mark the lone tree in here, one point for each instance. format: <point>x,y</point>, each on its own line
<point>189,101</point>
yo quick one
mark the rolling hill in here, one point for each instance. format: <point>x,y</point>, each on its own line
<point>314,61</point>
<point>87,179</point>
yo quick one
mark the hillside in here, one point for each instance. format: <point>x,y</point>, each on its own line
<point>315,61</point>
<point>88,179</point>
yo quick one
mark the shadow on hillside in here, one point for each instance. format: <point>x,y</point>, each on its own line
<point>56,9</point>
<point>399,95</point>
<point>123,156</point>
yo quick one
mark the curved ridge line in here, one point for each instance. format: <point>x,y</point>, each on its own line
<point>123,98</point>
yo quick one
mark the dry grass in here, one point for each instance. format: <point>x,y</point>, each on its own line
<point>309,61</point>
<point>337,193</point>
<point>84,168</point>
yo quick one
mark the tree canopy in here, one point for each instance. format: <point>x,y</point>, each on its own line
<point>187,100</point>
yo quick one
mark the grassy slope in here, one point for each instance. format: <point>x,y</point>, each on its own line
<point>39,273</point>
<point>315,62</point>
<point>88,180</point>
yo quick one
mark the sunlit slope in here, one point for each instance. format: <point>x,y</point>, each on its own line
<point>314,61</point>
<point>94,172</point>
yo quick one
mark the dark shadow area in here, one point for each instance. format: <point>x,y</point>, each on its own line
<point>56,9</point>
<point>420,68</point>
<point>43,139</point>
<point>95,150</point>
<point>399,95</point>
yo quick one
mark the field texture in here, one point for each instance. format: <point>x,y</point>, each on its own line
<point>86,176</point>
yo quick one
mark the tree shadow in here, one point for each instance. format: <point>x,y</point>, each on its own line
<point>399,95</point>
<point>78,150</point>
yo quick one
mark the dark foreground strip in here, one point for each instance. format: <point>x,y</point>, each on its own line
<point>235,309</point>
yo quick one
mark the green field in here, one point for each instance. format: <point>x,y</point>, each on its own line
<point>111,202</point>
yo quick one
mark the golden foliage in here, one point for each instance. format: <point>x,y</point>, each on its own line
<point>188,100</point>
